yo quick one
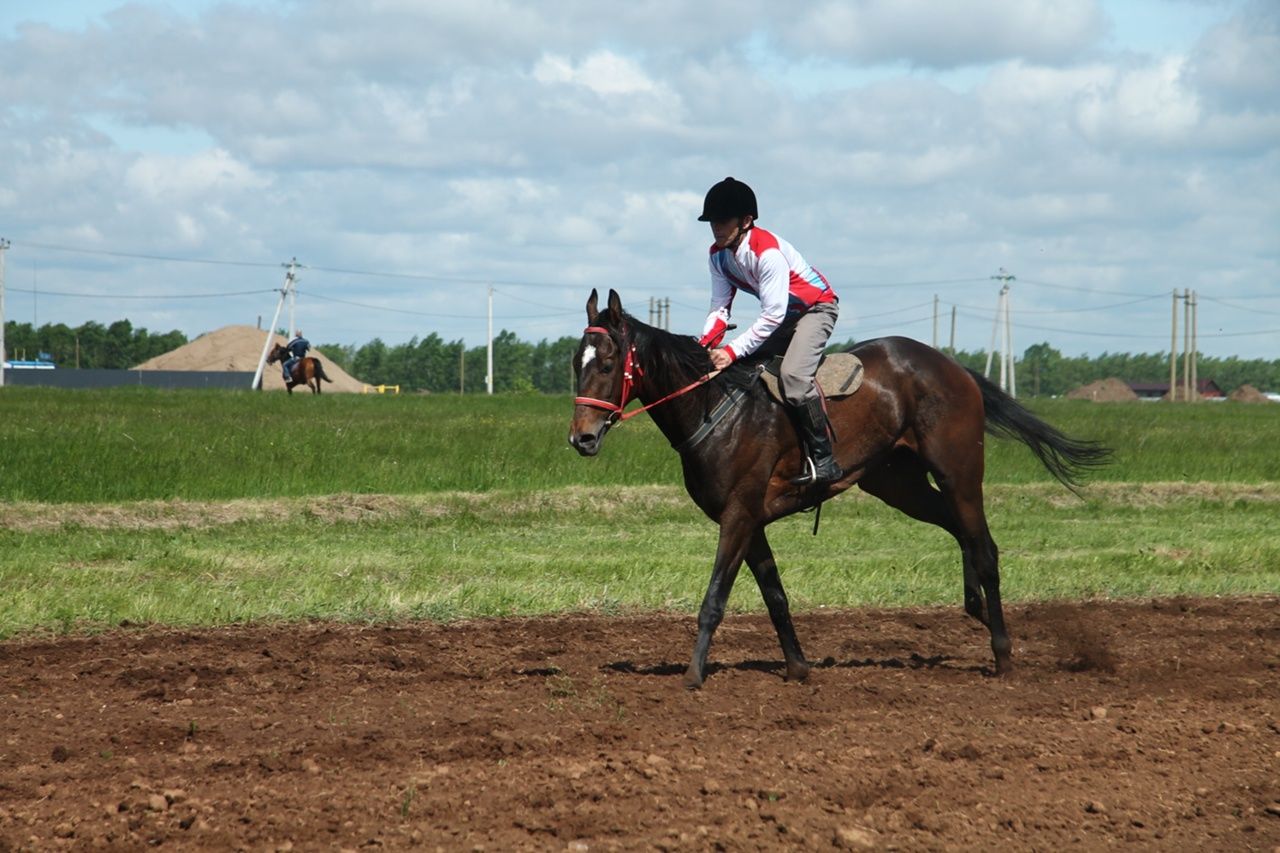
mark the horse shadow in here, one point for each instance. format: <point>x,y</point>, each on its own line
<point>778,668</point>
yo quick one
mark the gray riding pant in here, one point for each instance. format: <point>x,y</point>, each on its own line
<point>800,362</point>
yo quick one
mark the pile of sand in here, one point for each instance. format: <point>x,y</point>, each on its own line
<point>1248,394</point>
<point>238,348</point>
<point>1104,391</point>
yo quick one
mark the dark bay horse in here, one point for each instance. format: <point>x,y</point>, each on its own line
<point>308,371</point>
<point>918,414</point>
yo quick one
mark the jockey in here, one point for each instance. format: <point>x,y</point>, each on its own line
<point>798,310</point>
<point>297,350</point>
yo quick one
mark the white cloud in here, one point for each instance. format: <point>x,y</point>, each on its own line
<point>602,72</point>
<point>1238,62</point>
<point>1144,106</point>
<point>949,33</point>
<point>178,179</point>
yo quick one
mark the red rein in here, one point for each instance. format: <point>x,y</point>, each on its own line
<point>629,370</point>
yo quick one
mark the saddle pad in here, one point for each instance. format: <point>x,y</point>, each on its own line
<point>839,375</point>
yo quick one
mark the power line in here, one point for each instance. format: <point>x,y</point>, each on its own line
<point>135,256</point>
<point>143,295</point>
<point>1133,335</point>
<point>428,313</point>
<point>448,279</point>
<point>880,284</point>
<point>1075,289</point>
<point>335,270</point>
<point>1238,307</point>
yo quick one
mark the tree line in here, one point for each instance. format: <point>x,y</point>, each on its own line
<point>89,345</point>
<point>435,365</point>
<point>1045,372</point>
<point>430,364</point>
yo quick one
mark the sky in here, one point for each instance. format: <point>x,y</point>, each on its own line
<point>161,161</point>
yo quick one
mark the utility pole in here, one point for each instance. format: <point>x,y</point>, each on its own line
<point>1003,325</point>
<point>1173,351</point>
<point>4,244</point>
<point>293,305</point>
<point>488,376</point>
<point>1186,344</point>
<point>290,279</point>
<point>660,312</point>
<point>1194,343</point>
<point>1008,343</point>
<point>952,347</point>
<point>934,342</point>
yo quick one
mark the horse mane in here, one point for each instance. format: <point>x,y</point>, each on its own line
<point>670,359</point>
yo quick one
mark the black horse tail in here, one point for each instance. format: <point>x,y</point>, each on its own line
<point>320,374</point>
<point>1067,459</point>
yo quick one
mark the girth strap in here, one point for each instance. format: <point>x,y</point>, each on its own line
<point>713,418</point>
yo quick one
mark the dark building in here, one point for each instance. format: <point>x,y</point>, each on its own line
<point>1206,388</point>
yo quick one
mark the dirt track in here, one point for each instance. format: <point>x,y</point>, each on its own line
<point>1155,723</point>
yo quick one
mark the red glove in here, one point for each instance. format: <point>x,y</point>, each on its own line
<point>712,339</point>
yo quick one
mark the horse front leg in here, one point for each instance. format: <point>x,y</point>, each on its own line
<point>729,554</point>
<point>765,568</point>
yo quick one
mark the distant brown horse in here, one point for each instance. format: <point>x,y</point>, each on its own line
<point>308,371</point>
<point>918,414</point>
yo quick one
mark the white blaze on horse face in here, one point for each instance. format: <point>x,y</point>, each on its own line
<point>588,353</point>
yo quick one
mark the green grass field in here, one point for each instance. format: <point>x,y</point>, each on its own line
<point>203,508</point>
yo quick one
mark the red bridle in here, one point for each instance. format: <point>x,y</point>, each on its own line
<point>629,370</point>
<point>628,381</point>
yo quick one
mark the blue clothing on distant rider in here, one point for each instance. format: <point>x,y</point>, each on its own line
<point>297,350</point>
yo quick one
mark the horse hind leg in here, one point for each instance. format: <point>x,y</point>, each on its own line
<point>903,483</point>
<point>765,569</point>
<point>981,568</point>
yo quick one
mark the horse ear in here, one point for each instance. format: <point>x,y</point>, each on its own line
<point>592,312</point>
<point>615,309</point>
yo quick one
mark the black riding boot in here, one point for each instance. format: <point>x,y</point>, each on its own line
<point>821,466</point>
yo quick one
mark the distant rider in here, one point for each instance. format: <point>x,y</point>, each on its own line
<point>297,351</point>
<point>798,311</point>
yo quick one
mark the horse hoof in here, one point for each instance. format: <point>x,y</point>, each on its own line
<point>797,671</point>
<point>692,681</point>
<point>1004,666</point>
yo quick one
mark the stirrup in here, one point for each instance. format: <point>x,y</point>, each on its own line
<point>810,476</point>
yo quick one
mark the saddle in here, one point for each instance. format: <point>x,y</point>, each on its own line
<point>839,375</point>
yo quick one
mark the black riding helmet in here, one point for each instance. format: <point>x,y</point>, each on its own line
<point>729,199</point>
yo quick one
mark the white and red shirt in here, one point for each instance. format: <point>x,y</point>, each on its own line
<point>770,269</point>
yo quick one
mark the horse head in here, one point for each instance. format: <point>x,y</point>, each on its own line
<point>602,371</point>
<point>274,355</point>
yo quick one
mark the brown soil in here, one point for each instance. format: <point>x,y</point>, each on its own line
<point>1147,723</point>
<point>238,348</point>
<point>1248,394</point>
<point>1104,391</point>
